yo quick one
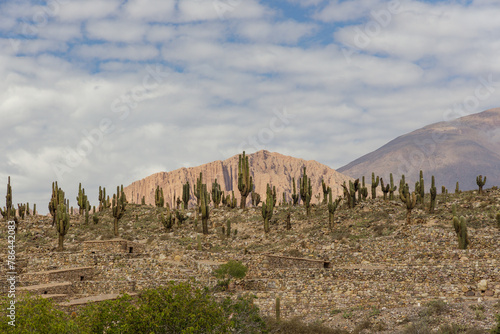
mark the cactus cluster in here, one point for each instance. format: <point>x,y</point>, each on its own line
<point>159,198</point>
<point>217,194</point>
<point>81,199</point>
<point>104,202</point>
<point>255,198</point>
<point>350,192</point>
<point>245,181</point>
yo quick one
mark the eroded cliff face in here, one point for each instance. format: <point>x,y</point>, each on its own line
<point>265,167</point>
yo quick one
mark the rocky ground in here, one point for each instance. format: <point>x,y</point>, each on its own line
<point>385,275</point>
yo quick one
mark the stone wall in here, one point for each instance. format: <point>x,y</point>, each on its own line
<point>276,261</point>
<point>112,246</point>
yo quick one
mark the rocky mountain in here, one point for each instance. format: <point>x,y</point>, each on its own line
<point>457,150</point>
<point>265,167</point>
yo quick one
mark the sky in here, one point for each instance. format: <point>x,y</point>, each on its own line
<point>107,92</point>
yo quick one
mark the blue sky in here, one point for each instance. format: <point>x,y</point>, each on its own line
<point>105,92</point>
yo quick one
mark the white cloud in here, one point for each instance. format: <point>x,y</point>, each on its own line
<point>80,10</point>
<point>116,31</point>
<point>133,52</point>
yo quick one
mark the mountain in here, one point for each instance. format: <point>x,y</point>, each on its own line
<point>452,151</point>
<point>265,167</point>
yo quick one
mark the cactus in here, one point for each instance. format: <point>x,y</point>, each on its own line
<point>143,200</point>
<point>374,185</point>
<point>267,208</point>
<point>480,182</point>
<point>159,198</point>
<point>62,219</point>
<point>295,196</point>
<point>497,217</point>
<point>180,216</point>
<point>255,198</point>
<point>392,188</point>
<point>81,199</point>
<point>34,209</point>
<point>409,199</point>
<point>54,201</point>
<point>87,213</point>
<point>245,182</point>
<point>118,207</point>
<point>205,209</point>
<point>350,193</point>
<point>385,189</point>
<point>457,189</point>
<point>332,207</point>
<point>460,226</point>
<point>422,188</point>
<point>363,191</point>
<point>103,200</point>
<point>443,190</point>
<point>27,208</point>
<point>326,190</point>
<point>433,193</point>
<point>8,201</point>
<point>233,202</point>
<point>167,220</point>
<point>228,228</point>
<point>305,191</point>
<point>217,193</point>
<point>185,196</point>
<point>21,209</point>
<point>278,309</point>
<point>288,221</point>
<point>95,219</point>
<point>197,189</point>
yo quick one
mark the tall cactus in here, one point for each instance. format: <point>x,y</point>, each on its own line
<point>422,188</point>
<point>62,219</point>
<point>326,191</point>
<point>267,208</point>
<point>54,202</point>
<point>295,196</point>
<point>350,192</point>
<point>81,199</point>
<point>332,207</point>
<point>305,191</point>
<point>197,188</point>
<point>8,201</point>
<point>159,198</point>
<point>103,200</point>
<point>245,181</point>
<point>21,209</point>
<point>460,226</point>
<point>363,191</point>
<point>205,209</point>
<point>217,193</point>
<point>433,193</point>
<point>118,206</point>
<point>457,188</point>
<point>392,188</point>
<point>374,185</point>
<point>480,182</point>
<point>185,195</point>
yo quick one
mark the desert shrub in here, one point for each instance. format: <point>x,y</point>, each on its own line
<point>35,315</point>
<point>231,269</point>
<point>420,327</point>
<point>434,308</point>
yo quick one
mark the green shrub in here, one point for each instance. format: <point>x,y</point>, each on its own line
<point>496,330</point>
<point>35,315</point>
<point>231,269</point>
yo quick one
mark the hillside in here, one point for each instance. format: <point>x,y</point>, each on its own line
<point>457,150</point>
<point>372,273</point>
<point>265,167</point>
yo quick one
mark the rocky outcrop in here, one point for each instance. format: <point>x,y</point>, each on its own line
<point>265,167</point>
